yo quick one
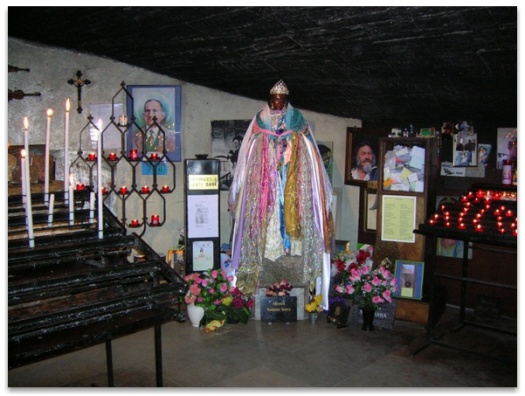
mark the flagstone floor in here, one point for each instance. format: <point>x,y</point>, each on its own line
<point>298,354</point>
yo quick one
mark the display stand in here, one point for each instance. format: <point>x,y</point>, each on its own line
<point>496,236</point>
<point>202,214</point>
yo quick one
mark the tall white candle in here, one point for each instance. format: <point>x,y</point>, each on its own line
<point>22,170</point>
<point>50,210</point>
<point>71,200</point>
<point>29,209</point>
<point>46,158</point>
<point>91,206</point>
<point>100,204</point>
<point>66,151</point>
<point>26,148</point>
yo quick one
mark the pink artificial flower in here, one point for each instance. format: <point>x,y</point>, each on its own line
<point>365,270</point>
<point>350,289</point>
<point>214,274</point>
<point>339,289</point>
<point>367,287</point>
<point>377,300</point>
<point>195,289</point>
<point>223,287</point>
<point>199,299</point>
<point>189,299</point>
<point>211,290</point>
<point>387,295</point>
<point>204,282</point>
<point>376,281</point>
<point>237,303</point>
<point>354,275</point>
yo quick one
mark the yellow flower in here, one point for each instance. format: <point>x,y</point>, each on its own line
<point>227,300</point>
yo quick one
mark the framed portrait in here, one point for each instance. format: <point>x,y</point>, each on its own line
<point>227,136</point>
<point>507,145</point>
<point>361,160</point>
<point>154,115</point>
<point>409,275</point>
<point>464,149</point>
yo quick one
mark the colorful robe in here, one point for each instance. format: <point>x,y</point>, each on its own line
<point>280,199</point>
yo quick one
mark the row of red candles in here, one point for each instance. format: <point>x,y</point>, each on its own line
<point>504,220</point>
<point>133,155</point>
<point>124,190</point>
<point>155,221</point>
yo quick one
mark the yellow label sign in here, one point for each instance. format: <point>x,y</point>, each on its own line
<point>203,182</point>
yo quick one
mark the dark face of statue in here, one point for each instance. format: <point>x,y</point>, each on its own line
<point>278,101</point>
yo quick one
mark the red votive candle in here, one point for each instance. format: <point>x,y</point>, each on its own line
<point>92,157</point>
<point>80,187</point>
<point>165,188</point>
<point>155,220</point>
<point>145,189</point>
<point>134,223</point>
<point>462,226</point>
<point>112,156</point>
<point>133,154</point>
<point>154,156</point>
<point>104,190</point>
<point>123,190</point>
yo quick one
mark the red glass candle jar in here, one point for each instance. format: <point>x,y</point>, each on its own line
<point>91,157</point>
<point>133,154</point>
<point>123,190</point>
<point>145,189</point>
<point>80,187</point>
<point>112,156</point>
<point>165,189</point>
<point>155,220</point>
<point>134,223</point>
<point>154,157</point>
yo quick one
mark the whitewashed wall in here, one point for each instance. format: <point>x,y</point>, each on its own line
<point>51,68</point>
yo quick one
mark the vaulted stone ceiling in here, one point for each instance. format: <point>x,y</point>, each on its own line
<point>389,66</point>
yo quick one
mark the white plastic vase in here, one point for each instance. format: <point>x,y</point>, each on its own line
<point>195,314</point>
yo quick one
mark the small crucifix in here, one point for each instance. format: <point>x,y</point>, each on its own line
<point>79,83</point>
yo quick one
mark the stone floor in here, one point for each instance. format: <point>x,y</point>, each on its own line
<point>298,354</point>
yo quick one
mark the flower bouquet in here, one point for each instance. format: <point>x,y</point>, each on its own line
<point>368,288</point>
<point>222,302</point>
<point>279,289</point>
<point>315,305</point>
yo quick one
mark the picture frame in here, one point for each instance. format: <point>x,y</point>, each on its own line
<point>370,210</point>
<point>464,149</point>
<point>354,142</point>
<point>507,148</point>
<point>163,134</point>
<point>409,275</point>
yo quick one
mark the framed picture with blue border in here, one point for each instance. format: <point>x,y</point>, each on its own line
<point>154,116</point>
<point>409,275</point>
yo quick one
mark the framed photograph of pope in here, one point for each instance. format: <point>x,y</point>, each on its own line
<point>154,119</point>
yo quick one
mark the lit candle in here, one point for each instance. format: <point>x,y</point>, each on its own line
<point>145,189</point>
<point>479,228</point>
<point>80,187</point>
<point>154,156</point>
<point>91,157</point>
<point>497,212</point>
<point>50,210</point>
<point>509,213</point>
<point>112,156</point>
<point>462,226</point>
<point>134,223</point>
<point>66,150</point>
<point>165,188</point>
<point>123,190</point>
<point>104,191</point>
<point>29,209</point>
<point>133,154</point>
<point>155,220</point>
<point>100,201</point>
<point>46,158</point>
<point>71,199</point>
<point>91,206</point>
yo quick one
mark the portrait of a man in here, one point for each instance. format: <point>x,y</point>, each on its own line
<point>363,162</point>
<point>154,113</point>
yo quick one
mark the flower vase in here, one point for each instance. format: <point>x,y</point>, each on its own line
<point>195,314</point>
<point>368,319</point>
<point>313,317</point>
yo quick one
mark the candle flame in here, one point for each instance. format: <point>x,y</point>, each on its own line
<point>68,105</point>
<point>26,123</point>
<point>23,153</point>
<point>50,112</point>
